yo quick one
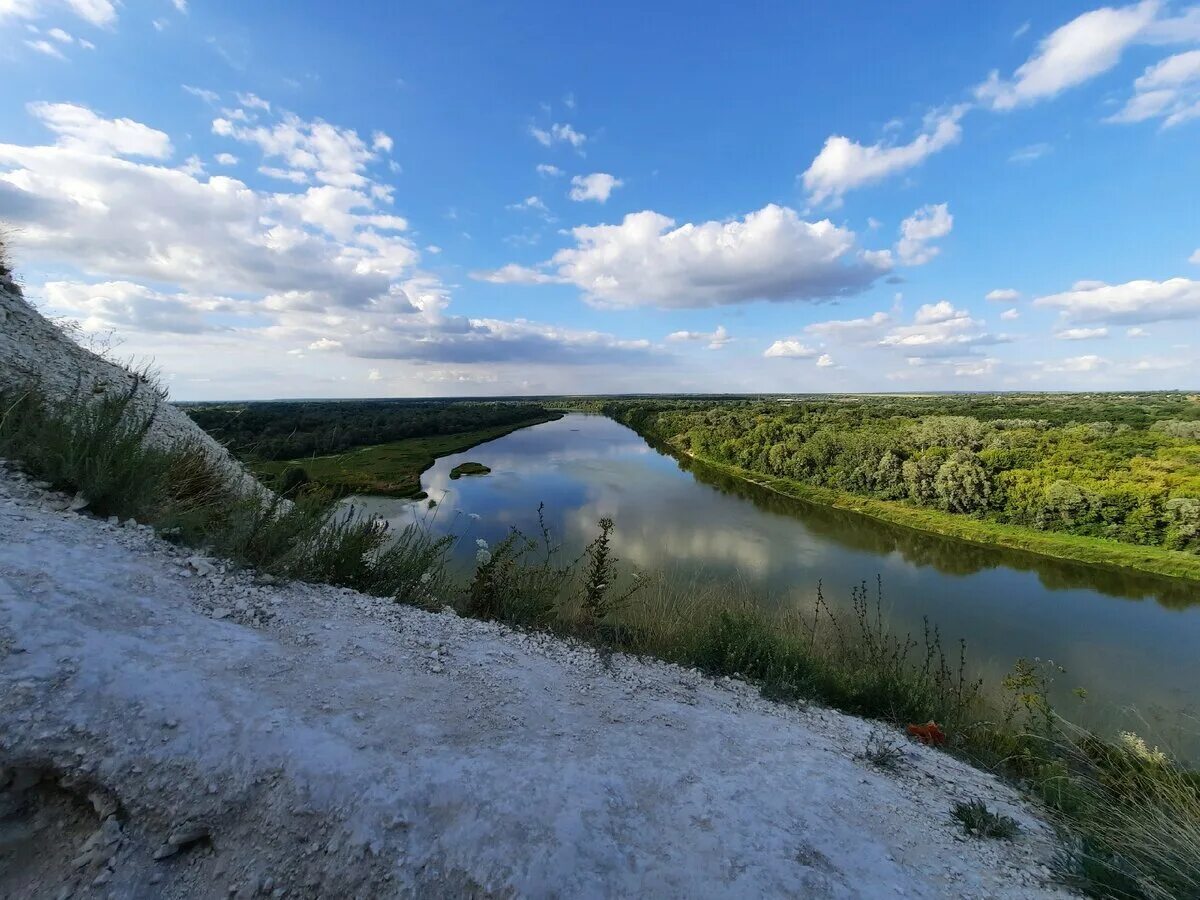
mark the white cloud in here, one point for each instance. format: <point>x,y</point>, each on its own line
<point>209,97</point>
<point>825,361</point>
<point>336,156</point>
<point>1195,257</point>
<point>1002,295</point>
<point>926,224</point>
<point>1029,153</point>
<point>80,129</point>
<point>1085,47</point>
<point>81,201</point>
<point>181,5</point>
<point>597,186</point>
<point>374,375</point>
<point>843,164</point>
<point>770,254</point>
<point>382,142</point>
<point>255,272</point>
<point>514,274</point>
<point>851,330</point>
<point>45,47</point>
<point>789,348</point>
<point>1136,332</point>
<point>101,13</point>
<point>253,101</point>
<point>1134,302</point>
<point>127,306</point>
<point>716,340</point>
<point>1009,315</point>
<point>1077,364</point>
<point>533,204</point>
<point>61,36</point>
<point>1081,334</point>
<point>939,329</point>
<point>558,134</point>
<point>549,170</point>
<point>1168,90</point>
<point>226,159</point>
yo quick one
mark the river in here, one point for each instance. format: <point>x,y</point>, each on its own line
<point>1132,641</point>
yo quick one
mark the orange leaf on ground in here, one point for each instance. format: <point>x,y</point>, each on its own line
<point>929,733</point>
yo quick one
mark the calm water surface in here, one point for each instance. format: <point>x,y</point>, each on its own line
<point>1133,642</point>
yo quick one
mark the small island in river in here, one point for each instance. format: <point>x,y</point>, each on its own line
<point>469,468</point>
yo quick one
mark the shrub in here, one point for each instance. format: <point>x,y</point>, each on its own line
<point>976,819</point>
<point>518,580</point>
<point>97,448</point>
<point>600,598</point>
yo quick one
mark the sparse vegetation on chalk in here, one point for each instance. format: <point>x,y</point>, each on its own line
<point>979,821</point>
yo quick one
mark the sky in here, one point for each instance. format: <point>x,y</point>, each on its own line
<point>297,199</point>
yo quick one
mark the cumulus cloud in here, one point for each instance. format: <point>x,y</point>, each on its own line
<point>597,186</point>
<point>322,268</point>
<point>789,348</point>
<point>850,330</point>
<point>939,329</point>
<point>649,260</point>
<point>1002,295</point>
<point>1087,46</point>
<point>917,231</point>
<point>82,201</point>
<point>80,129</point>
<point>331,155</point>
<point>825,361</point>
<point>1009,315</point>
<point>496,341</point>
<point>844,165</point>
<point>1168,90</point>
<point>1081,334</point>
<point>715,340</point>
<point>549,170</point>
<point>1134,302</point>
<point>123,305</point>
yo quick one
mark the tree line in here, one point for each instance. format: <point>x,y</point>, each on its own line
<point>1125,467</point>
<point>279,430</point>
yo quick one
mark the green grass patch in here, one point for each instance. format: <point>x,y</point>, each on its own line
<point>393,469</point>
<point>469,468</point>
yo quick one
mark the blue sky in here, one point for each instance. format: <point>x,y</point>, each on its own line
<point>280,199</point>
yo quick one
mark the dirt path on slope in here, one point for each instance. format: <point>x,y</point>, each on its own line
<point>300,741</point>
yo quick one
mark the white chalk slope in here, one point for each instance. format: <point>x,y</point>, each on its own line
<point>332,744</point>
<point>34,351</point>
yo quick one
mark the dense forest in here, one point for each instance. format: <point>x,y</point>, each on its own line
<point>1125,467</point>
<point>280,430</point>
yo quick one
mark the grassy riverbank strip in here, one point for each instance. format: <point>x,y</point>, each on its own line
<point>1092,551</point>
<point>393,469</point>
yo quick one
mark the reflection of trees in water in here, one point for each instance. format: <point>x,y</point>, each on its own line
<point>947,555</point>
